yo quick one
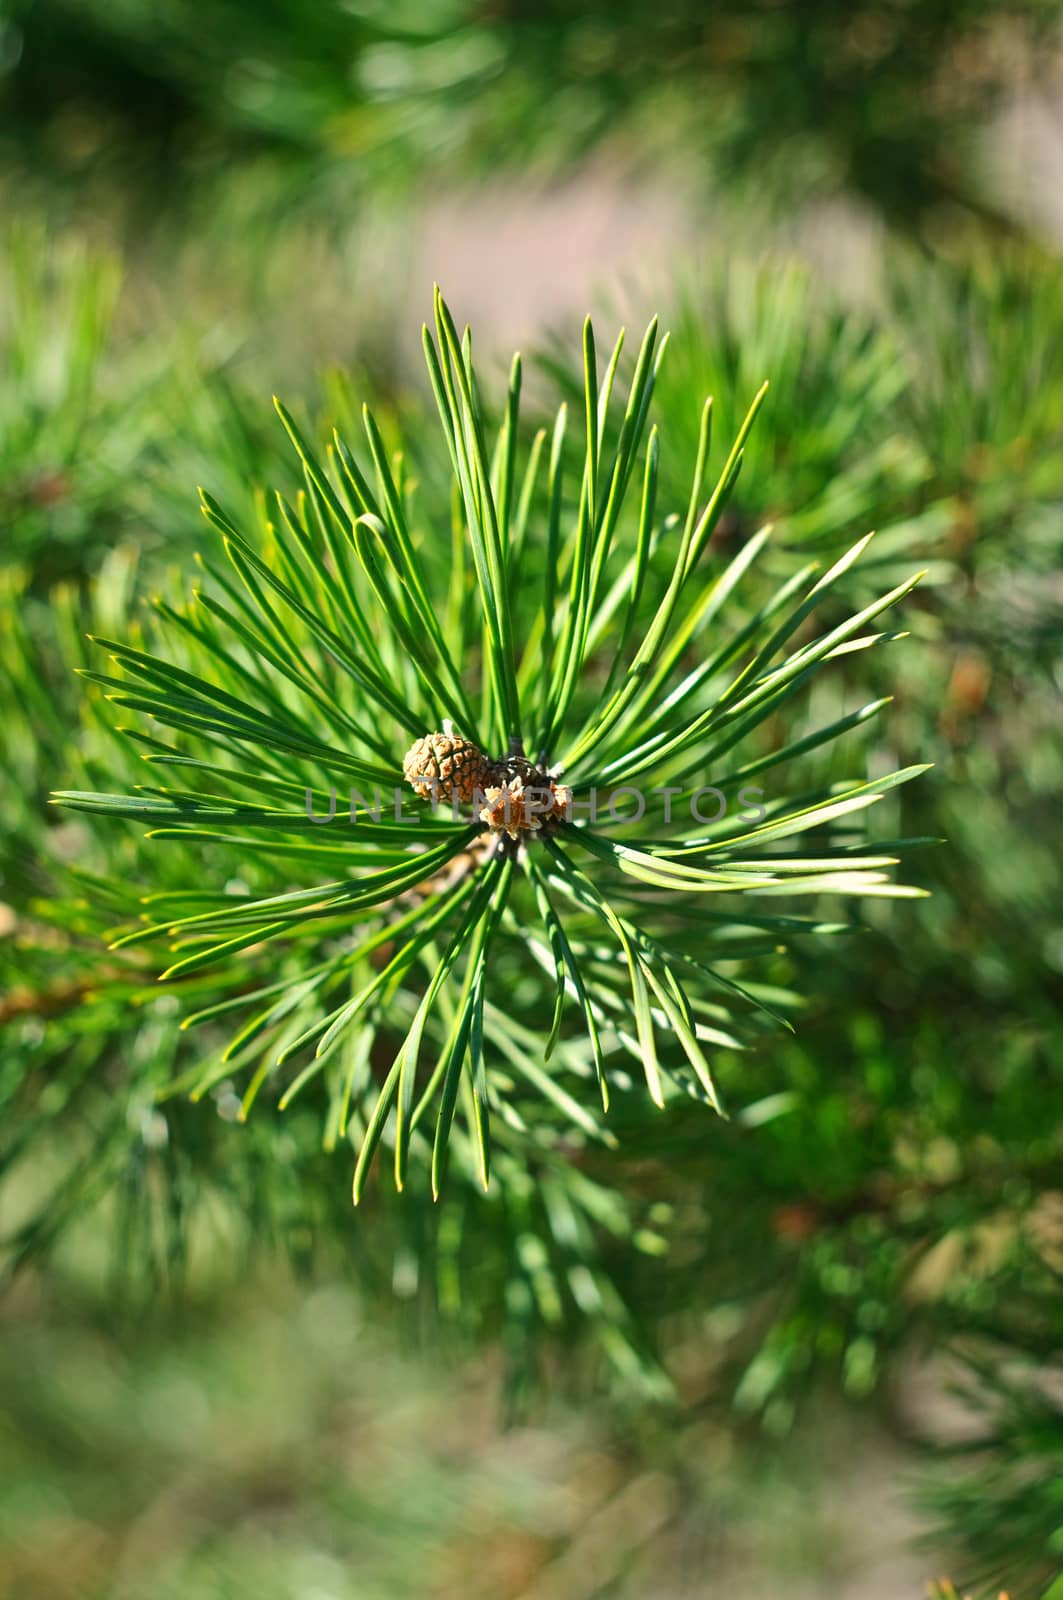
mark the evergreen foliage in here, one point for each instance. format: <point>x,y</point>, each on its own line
<point>290,686</point>
<point>884,1184</point>
<point>882,101</point>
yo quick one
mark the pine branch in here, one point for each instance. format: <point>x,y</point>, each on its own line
<point>327,654</point>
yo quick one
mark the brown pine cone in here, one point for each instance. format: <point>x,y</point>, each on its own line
<point>442,765</point>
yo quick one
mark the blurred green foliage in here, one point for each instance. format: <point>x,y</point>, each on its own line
<point>883,99</point>
<point>887,1194</point>
<point>277,1440</point>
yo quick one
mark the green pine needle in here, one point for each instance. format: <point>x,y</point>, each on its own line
<point>456,967</point>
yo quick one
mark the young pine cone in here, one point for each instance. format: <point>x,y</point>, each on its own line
<point>443,765</point>
<point>513,808</point>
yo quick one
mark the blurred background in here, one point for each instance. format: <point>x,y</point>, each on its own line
<point>816,1354</point>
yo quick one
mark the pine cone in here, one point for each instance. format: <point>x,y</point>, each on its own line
<point>442,765</point>
<point>507,811</point>
<point>514,808</point>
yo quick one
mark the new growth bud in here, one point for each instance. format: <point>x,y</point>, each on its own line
<point>510,797</point>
